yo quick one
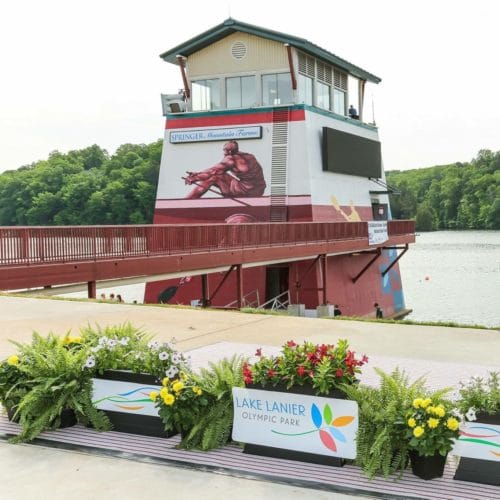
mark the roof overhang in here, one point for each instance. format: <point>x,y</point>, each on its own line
<point>230,26</point>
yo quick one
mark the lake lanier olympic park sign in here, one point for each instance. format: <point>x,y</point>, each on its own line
<point>124,397</point>
<point>377,232</point>
<point>478,440</point>
<point>215,134</point>
<point>310,424</point>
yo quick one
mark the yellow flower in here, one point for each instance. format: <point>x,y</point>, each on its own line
<point>199,392</point>
<point>418,431</point>
<point>13,360</point>
<point>163,392</point>
<point>169,399</point>
<point>426,402</point>
<point>183,376</point>
<point>433,422</point>
<point>178,386</point>
<point>196,389</point>
<point>165,382</point>
<point>76,340</point>
<point>430,409</point>
<point>452,424</point>
<point>439,411</point>
<point>153,395</point>
<point>417,402</point>
<point>412,422</point>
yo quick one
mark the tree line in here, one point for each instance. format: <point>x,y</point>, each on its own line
<point>457,196</point>
<point>83,187</point>
<point>89,186</point>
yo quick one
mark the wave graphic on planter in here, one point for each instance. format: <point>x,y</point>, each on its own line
<point>331,433</point>
<point>130,404</point>
<point>481,439</point>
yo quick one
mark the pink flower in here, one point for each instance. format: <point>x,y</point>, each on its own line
<point>339,372</point>
<point>258,352</point>
<point>291,343</point>
<point>301,370</point>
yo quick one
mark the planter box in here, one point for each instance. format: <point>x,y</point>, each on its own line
<point>124,397</point>
<point>293,454</point>
<point>479,470</point>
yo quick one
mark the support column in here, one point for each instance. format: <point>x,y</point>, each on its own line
<point>205,301</point>
<point>239,286</point>
<point>324,268</point>
<point>91,289</point>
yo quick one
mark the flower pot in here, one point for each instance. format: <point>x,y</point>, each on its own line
<point>67,419</point>
<point>11,414</point>
<point>475,469</point>
<point>427,467</point>
<point>127,404</point>
<point>268,451</point>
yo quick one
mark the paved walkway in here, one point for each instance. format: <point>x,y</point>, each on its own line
<point>33,472</point>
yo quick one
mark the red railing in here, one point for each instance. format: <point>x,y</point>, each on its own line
<point>51,244</point>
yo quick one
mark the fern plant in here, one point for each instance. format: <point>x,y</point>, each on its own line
<point>214,426</point>
<point>53,371</point>
<point>381,444</point>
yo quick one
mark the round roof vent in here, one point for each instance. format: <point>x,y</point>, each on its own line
<point>238,50</point>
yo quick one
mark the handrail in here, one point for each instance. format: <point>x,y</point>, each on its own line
<point>245,302</point>
<point>60,244</point>
<point>276,302</point>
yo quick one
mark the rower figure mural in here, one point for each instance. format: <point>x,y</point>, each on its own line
<point>237,175</point>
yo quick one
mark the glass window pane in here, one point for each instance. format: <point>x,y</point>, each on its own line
<point>339,101</point>
<point>305,89</point>
<point>206,95</point>
<point>248,91</point>
<point>323,95</point>
<point>213,97</point>
<point>269,90</point>
<point>285,95</point>
<point>233,92</point>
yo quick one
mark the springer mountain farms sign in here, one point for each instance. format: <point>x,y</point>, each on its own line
<point>311,424</point>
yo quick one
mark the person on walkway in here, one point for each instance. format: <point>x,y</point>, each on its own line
<point>336,310</point>
<point>353,112</point>
<point>119,298</point>
<point>378,311</point>
<point>237,175</point>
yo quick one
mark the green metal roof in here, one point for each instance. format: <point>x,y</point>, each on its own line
<point>230,26</point>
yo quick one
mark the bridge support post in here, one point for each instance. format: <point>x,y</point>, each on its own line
<point>239,286</point>
<point>91,289</point>
<point>324,269</point>
<point>205,300</point>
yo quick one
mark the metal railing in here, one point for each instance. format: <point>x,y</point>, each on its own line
<point>277,303</point>
<point>49,244</point>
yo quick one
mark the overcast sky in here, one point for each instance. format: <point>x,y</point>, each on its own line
<point>81,72</point>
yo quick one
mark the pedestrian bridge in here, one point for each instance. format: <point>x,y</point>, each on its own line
<point>46,257</point>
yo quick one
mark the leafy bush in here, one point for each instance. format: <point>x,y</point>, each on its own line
<point>324,366</point>
<point>480,394</point>
<point>214,426</point>
<point>381,444</point>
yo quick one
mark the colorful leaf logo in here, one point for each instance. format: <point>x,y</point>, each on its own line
<point>331,433</point>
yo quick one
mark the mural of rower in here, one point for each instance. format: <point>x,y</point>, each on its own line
<point>237,175</point>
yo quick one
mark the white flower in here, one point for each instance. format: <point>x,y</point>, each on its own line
<point>90,363</point>
<point>471,414</point>
<point>124,341</point>
<point>155,345</point>
<point>103,340</point>
<point>112,343</point>
<point>176,358</point>
<point>163,355</point>
<point>171,372</point>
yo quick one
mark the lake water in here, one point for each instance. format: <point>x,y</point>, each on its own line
<point>447,276</point>
<point>453,276</point>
